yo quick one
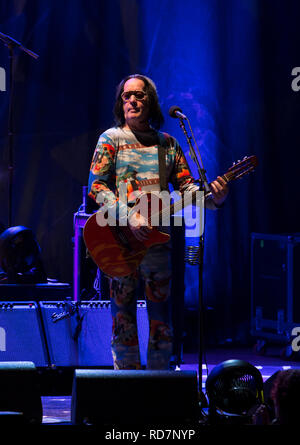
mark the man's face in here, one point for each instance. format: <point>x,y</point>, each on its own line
<point>136,108</point>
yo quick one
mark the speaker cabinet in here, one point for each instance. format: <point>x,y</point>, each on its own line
<point>19,393</point>
<point>79,333</point>
<point>35,292</point>
<point>124,397</point>
<point>21,334</point>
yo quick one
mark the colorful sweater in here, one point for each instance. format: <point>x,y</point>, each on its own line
<point>122,161</point>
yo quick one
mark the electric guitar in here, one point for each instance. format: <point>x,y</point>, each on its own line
<point>115,249</point>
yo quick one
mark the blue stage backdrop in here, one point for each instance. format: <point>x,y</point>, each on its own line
<point>228,65</point>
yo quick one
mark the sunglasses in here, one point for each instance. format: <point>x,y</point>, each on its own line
<point>139,95</point>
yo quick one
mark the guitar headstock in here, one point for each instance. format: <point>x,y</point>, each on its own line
<point>241,168</point>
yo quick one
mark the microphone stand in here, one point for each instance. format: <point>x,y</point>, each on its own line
<point>201,170</point>
<point>11,45</point>
<point>204,186</point>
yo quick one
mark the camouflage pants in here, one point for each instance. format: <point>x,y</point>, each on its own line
<point>155,270</point>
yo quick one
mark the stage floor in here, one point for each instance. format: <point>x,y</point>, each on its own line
<point>57,409</point>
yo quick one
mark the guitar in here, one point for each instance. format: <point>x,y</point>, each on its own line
<point>115,249</point>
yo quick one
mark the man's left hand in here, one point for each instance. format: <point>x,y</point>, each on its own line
<point>219,189</point>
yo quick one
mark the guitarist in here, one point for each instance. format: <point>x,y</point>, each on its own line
<point>129,154</point>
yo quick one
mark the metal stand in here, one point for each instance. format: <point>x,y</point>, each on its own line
<point>11,45</point>
<point>198,254</point>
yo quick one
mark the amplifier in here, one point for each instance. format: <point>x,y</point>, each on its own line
<point>21,334</point>
<point>79,333</point>
<point>51,290</point>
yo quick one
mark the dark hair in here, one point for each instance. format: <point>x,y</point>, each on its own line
<point>156,118</point>
<point>286,394</point>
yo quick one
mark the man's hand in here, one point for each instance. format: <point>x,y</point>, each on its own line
<point>139,226</point>
<point>219,189</point>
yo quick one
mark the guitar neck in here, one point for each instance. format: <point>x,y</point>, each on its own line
<point>238,170</point>
<point>185,200</point>
<point>190,198</point>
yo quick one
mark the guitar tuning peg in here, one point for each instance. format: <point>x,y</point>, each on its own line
<point>234,163</point>
<point>245,157</point>
<point>239,160</point>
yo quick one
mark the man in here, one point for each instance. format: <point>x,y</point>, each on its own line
<point>128,154</point>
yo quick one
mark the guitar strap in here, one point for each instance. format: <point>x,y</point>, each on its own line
<point>162,162</point>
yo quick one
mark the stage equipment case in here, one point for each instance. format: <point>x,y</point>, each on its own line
<point>275,286</point>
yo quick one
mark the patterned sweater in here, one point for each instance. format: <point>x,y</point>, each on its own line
<point>128,161</point>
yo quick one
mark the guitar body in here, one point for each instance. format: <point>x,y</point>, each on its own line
<point>115,249</point>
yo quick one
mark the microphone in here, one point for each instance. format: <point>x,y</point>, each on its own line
<point>176,112</point>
